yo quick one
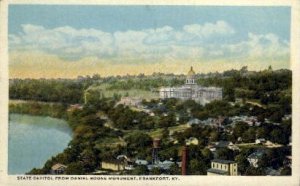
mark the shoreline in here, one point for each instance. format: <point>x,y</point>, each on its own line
<point>37,108</point>
<point>39,128</point>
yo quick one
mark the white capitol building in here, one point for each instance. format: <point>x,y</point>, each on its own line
<point>192,91</point>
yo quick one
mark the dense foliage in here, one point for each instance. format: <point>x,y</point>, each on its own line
<point>103,129</point>
<point>64,91</point>
<point>56,110</point>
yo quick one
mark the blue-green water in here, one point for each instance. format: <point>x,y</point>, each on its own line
<point>32,140</point>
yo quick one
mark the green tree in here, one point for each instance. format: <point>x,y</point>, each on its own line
<point>214,136</point>
<point>264,161</point>
<point>89,160</point>
<point>225,153</point>
<point>242,162</point>
<point>75,168</point>
<point>207,155</point>
<point>229,91</point>
<point>168,152</point>
<point>286,171</point>
<point>252,171</point>
<point>140,170</point>
<point>138,140</point>
<point>156,171</point>
<point>165,133</point>
<point>197,167</point>
<point>174,169</point>
<point>35,171</point>
<point>261,132</point>
<point>277,136</point>
<point>239,129</point>
<point>167,121</point>
<point>249,135</point>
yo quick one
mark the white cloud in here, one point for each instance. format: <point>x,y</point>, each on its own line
<point>191,42</point>
<point>209,29</point>
<point>259,46</point>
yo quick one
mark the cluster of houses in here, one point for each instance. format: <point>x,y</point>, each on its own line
<point>250,120</point>
<point>122,163</point>
<point>135,102</point>
<point>222,144</point>
<point>131,102</point>
<point>221,121</point>
<point>218,166</point>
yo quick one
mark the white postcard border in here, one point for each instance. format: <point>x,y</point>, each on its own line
<point>186,180</point>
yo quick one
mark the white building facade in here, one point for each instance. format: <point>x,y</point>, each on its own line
<point>191,90</point>
<point>223,168</point>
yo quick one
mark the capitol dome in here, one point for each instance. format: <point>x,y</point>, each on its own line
<point>191,72</point>
<point>190,78</point>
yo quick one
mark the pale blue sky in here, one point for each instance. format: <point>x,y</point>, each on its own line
<point>161,35</point>
<point>259,20</point>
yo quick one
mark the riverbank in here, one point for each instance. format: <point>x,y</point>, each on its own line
<point>37,108</point>
<point>33,140</point>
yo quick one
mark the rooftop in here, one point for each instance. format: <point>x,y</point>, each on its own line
<point>256,155</point>
<point>222,144</point>
<point>57,166</point>
<point>191,72</point>
<point>141,162</point>
<point>222,161</point>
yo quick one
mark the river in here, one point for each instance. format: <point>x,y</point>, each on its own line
<point>32,140</point>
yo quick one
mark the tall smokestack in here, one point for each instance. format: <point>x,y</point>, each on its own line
<point>184,160</point>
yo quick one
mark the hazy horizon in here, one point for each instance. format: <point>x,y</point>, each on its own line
<point>124,75</point>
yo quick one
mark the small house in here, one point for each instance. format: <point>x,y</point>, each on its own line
<point>114,165</point>
<point>141,162</point>
<point>260,141</point>
<point>192,141</point>
<point>58,169</point>
<point>255,157</point>
<point>221,167</point>
<point>194,121</point>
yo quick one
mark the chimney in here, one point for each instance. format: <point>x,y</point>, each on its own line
<point>184,160</point>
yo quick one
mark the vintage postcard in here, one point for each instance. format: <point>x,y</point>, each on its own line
<point>96,92</point>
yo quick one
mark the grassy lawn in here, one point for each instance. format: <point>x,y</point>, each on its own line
<point>112,142</point>
<point>249,145</point>
<point>256,103</point>
<point>132,92</point>
<point>20,101</point>
<point>158,132</point>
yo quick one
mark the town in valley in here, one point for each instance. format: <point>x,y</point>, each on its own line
<point>233,123</point>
